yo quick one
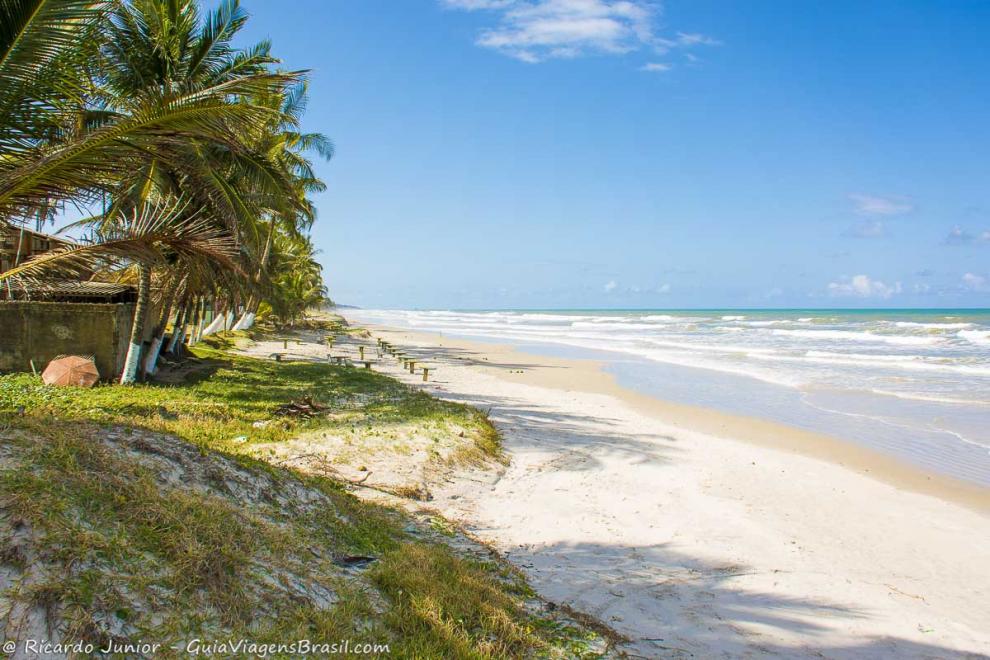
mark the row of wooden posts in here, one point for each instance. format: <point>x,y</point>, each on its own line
<point>339,359</point>
<point>408,362</point>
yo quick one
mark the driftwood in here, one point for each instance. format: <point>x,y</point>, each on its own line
<point>305,407</point>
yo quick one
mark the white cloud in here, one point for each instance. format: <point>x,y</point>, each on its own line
<point>538,30</point>
<point>684,40</point>
<point>663,288</point>
<point>873,205</point>
<point>975,282</point>
<point>657,67</point>
<point>959,236</point>
<point>611,286</point>
<point>861,286</point>
<point>868,228</point>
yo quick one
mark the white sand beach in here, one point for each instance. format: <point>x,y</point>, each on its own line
<point>699,534</point>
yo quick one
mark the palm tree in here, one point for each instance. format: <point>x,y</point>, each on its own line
<point>43,50</point>
<point>299,284</point>
<point>295,214</point>
<point>146,104</point>
<point>161,47</point>
<point>65,135</point>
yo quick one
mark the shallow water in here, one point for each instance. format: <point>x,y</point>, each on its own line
<point>914,383</point>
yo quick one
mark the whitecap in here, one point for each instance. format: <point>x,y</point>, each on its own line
<point>857,336</point>
<point>940,326</point>
<point>975,336</point>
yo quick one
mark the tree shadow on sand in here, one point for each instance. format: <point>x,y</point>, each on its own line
<point>577,438</point>
<point>669,604</point>
<point>672,605</point>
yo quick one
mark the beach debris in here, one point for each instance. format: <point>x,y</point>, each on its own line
<point>904,593</point>
<point>304,407</point>
<point>71,370</point>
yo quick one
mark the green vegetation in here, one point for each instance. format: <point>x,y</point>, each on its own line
<point>144,512</point>
<point>224,395</point>
<point>184,152</point>
<point>167,562</point>
<point>227,402</point>
<point>118,531</point>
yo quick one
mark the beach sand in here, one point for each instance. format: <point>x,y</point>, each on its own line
<point>700,534</point>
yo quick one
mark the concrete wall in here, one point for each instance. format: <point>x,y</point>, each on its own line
<point>40,331</point>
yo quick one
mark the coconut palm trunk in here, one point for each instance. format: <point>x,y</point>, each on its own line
<point>133,360</point>
<point>246,320</point>
<point>193,321</point>
<point>218,323</point>
<point>254,300</point>
<point>179,328</point>
<point>151,360</point>
<point>250,312</point>
<point>200,319</point>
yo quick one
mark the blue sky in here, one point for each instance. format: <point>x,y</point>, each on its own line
<point>600,153</point>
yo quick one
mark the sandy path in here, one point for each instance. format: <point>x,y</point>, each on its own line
<point>694,545</point>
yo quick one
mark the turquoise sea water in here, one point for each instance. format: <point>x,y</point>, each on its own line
<point>915,383</point>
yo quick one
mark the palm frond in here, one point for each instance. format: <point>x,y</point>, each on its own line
<point>106,153</point>
<point>44,47</point>
<point>160,233</point>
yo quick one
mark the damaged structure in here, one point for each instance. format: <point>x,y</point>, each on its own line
<point>40,320</point>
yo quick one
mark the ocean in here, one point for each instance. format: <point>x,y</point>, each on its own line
<point>913,383</point>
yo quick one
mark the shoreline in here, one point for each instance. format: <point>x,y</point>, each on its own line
<point>590,376</point>
<point>697,544</point>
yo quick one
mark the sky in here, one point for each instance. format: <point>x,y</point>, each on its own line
<point>633,154</point>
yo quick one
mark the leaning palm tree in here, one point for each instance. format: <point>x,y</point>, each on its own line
<point>45,46</point>
<point>141,103</point>
<point>290,149</point>
<point>65,133</point>
<point>155,48</point>
<point>43,50</point>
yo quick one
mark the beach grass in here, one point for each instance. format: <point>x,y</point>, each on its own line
<point>227,402</point>
<point>139,512</point>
